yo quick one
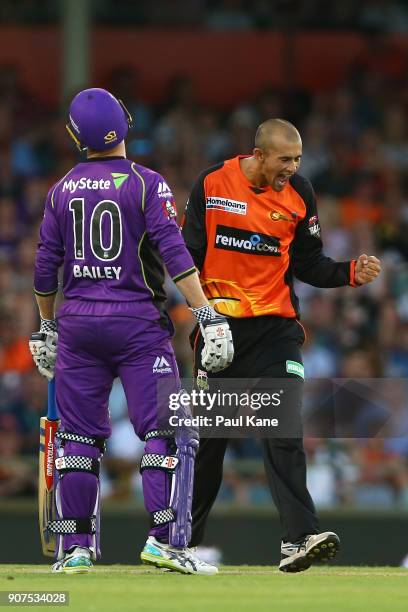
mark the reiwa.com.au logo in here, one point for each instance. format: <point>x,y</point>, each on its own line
<point>244,241</point>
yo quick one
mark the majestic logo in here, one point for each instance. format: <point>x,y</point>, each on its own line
<point>110,136</point>
<point>85,183</point>
<point>164,191</point>
<point>161,366</point>
<point>243,241</point>
<point>169,209</point>
<point>226,205</point>
<point>118,178</point>
<point>314,226</point>
<point>275,215</point>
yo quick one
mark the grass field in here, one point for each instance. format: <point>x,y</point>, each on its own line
<point>235,588</point>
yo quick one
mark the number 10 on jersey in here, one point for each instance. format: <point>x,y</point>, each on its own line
<point>102,251</point>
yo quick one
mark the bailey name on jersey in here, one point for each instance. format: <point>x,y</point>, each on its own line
<point>97,272</point>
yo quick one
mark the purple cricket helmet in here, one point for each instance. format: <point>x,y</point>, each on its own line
<point>97,120</point>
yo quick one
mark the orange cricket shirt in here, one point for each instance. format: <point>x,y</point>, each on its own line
<point>248,242</point>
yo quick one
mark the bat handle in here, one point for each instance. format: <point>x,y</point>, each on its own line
<point>52,414</point>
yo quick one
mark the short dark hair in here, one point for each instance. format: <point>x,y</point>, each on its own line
<point>268,129</point>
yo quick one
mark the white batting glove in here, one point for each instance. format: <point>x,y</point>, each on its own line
<point>43,347</point>
<point>218,350</point>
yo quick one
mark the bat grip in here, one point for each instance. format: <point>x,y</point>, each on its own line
<point>52,414</point>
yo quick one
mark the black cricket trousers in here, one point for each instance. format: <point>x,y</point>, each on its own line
<point>263,347</point>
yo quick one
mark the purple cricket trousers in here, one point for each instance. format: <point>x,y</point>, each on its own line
<point>92,351</point>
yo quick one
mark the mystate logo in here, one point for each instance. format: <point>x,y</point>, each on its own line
<point>244,241</point>
<point>85,183</point>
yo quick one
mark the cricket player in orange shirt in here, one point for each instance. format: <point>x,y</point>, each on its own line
<point>251,226</point>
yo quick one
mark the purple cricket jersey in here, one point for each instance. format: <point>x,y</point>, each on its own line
<point>111,223</point>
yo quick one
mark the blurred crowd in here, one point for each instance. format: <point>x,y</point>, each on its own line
<point>355,154</point>
<point>232,15</point>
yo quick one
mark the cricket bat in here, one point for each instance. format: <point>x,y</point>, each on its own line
<point>46,504</point>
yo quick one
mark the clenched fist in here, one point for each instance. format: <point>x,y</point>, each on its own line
<point>367,269</point>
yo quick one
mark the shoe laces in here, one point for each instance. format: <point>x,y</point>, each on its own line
<point>289,548</point>
<point>302,544</point>
<point>191,552</point>
<point>77,551</point>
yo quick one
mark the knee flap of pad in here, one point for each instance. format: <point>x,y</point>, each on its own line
<point>77,448</point>
<point>161,446</point>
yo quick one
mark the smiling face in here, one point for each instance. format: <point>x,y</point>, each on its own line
<point>278,160</point>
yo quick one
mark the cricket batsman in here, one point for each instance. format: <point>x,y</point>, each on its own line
<point>111,224</point>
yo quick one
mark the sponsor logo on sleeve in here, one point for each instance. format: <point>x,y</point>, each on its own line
<point>244,241</point>
<point>314,226</point>
<point>169,208</point>
<point>226,205</point>
<point>164,191</point>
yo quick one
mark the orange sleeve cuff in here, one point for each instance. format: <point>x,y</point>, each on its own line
<point>353,282</point>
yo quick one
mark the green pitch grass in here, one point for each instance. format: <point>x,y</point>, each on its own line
<point>235,589</point>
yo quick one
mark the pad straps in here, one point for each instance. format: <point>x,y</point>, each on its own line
<point>159,433</point>
<point>161,517</point>
<point>72,525</point>
<point>73,437</point>
<point>77,463</point>
<point>153,461</point>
